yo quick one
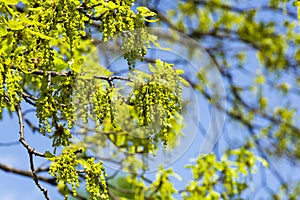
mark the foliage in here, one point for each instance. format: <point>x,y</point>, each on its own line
<point>255,47</point>
<point>64,168</point>
<point>45,62</point>
<point>221,179</point>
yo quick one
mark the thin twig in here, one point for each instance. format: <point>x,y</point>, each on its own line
<point>7,144</point>
<point>122,190</point>
<point>49,81</point>
<point>21,132</point>
<point>31,152</point>
<point>52,74</point>
<point>156,189</point>
<point>31,125</point>
<point>35,178</point>
<point>25,93</point>
<point>90,16</point>
<point>28,98</point>
<point>6,168</point>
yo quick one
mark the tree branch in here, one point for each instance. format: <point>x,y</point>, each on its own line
<point>90,16</point>
<point>21,132</point>
<point>70,73</point>
<point>28,98</point>
<point>31,152</point>
<point>7,144</point>
<point>51,181</point>
<point>35,178</point>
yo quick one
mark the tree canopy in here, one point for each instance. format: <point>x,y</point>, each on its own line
<point>120,87</point>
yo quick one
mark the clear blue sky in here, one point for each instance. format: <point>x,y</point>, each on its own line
<point>13,187</point>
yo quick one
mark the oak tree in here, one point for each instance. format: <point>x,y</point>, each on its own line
<point>79,67</point>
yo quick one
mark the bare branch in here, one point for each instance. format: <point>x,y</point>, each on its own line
<point>90,16</point>
<point>35,178</point>
<point>31,152</point>
<point>28,98</point>
<point>31,125</point>
<point>110,79</point>
<point>21,132</point>
<point>51,74</point>
<point>7,144</point>
<point>6,168</point>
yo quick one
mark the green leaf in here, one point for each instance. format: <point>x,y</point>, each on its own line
<point>59,63</point>
<point>19,50</point>
<point>14,25</point>
<point>158,46</point>
<point>48,154</point>
<point>145,12</point>
<point>183,81</point>
<point>151,20</point>
<point>177,176</point>
<point>262,161</point>
<point>3,30</point>
<point>111,5</point>
<point>296,3</point>
<point>260,79</point>
<point>11,1</point>
<point>38,34</point>
<point>151,68</point>
<point>73,66</point>
<point>297,55</point>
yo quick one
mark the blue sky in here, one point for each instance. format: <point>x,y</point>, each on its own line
<point>14,187</point>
